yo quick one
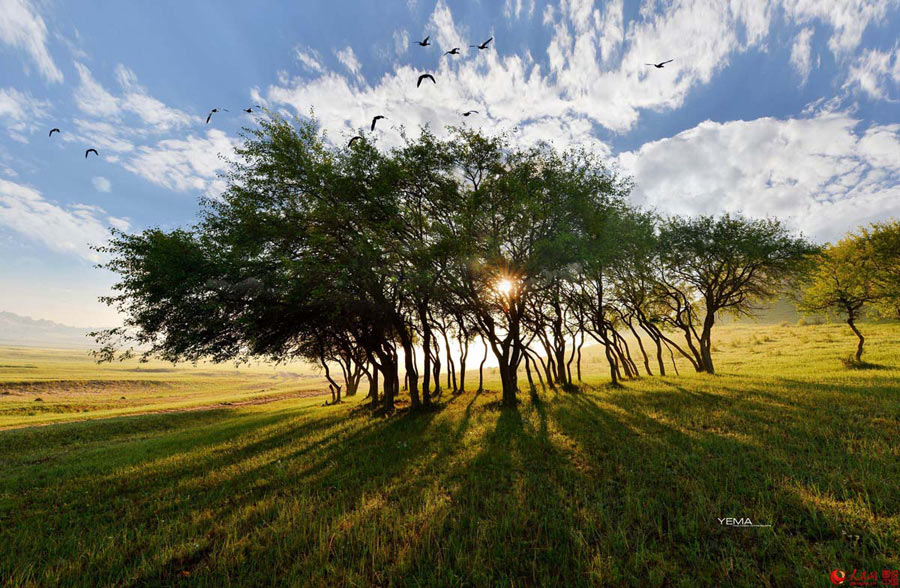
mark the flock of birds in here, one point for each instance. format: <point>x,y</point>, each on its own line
<point>425,76</point>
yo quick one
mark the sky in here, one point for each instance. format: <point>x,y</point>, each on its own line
<point>784,108</point>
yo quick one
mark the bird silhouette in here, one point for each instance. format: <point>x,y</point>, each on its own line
<point>483,45</point>
<point>454,51</point>
<point>250,109</point>
<point>375,120</point>
<point>53,130</point>
<point>468,112</point>
<point>423,77</point>
<point>661,64</point>
<point>215,110</point>
<point>357,137</point>
<point>89,151</point>
<point>424,42</point>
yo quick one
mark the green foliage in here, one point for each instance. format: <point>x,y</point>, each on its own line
<point>841,280</point>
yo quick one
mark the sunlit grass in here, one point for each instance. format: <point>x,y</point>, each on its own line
<point>41,386</point>
<point>598,487</point>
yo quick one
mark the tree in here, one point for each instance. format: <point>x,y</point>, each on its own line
<point>882,246</point>
<point>297,259</point>
<point>843,281</point>
<point>709,265</point>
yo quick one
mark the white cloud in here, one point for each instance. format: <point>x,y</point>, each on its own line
<point>801,53</point>
<point>848,18</point>
<point>101,184</point>
<point>18,106</point>
<point>596,73</point>
<point>876,73</point>
<point>68,230</point>
<point>309,59</point>
<point>21,112</point>
<point>184,164</point>
<point>348,59</point>
<point>22,28</point>
<point>149,109</point>
<point>512,9</point>
<point>104,136</point>
<point>93,99</point>
<point>821,174</point>
<point>401,42</point>
<point>443,27</point>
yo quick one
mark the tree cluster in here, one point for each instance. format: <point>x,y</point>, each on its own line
<point>389,264</point>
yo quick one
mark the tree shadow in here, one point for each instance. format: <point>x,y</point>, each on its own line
<point>603,487</point>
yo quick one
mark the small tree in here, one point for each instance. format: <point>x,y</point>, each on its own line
<point>882,245</point>
<point>843,281</point>
<point>731,264</point>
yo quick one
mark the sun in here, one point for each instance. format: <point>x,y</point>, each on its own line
<point>504,287</point>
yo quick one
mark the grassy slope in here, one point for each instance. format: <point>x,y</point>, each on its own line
<point>615,487</point>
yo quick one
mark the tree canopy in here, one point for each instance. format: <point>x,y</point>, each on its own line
<point>374,259</point>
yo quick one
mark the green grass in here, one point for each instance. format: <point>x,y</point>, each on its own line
<point>43,386</point>
<point>598,487</point>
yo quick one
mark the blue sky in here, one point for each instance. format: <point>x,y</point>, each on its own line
<point>785,108</point>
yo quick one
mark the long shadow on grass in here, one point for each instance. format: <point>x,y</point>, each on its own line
<point>679,471</point>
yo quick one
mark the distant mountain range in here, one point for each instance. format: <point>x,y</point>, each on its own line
<point>22,330</point>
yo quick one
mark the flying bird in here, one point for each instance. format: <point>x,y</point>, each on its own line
<point>424,42</point>
<point>483,45</point>
<point>53,130</point>
<point>215,110</point>
<point>661,64</point>
<point>251,109</point>
<point>357,137</point>
<point>375,120</point>
<point>454,51</point>
<point>468,112</point>
<point>89,151</point>
<point>423,77</point>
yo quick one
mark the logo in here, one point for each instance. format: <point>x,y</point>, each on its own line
<point>741,522</point>
<point>863,578</point>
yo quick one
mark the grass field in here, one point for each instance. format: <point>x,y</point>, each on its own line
<point>43,386</point>
<point>597,487</point>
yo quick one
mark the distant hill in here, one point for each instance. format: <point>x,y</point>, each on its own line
<point>22,330</point>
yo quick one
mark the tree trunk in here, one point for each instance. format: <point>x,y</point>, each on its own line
<point>859,346</point>
<point>436,370</point>
<point>336,392</point>
<point>510,382</point>
<point>426,350</point>
<point>373,385</point>
<point>463,355</point>
<point>481,367</point>
<point>706,342</point>
<point>528,374</point>
<point>656,340</point>
<point>640,343</point>
<point>414,401</point>
<point>451,365</point>
<point>547,370</point>
<point>390,371</point>
<point>578,363</point>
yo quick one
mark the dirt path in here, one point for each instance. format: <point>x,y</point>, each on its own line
<point>269,398</point>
